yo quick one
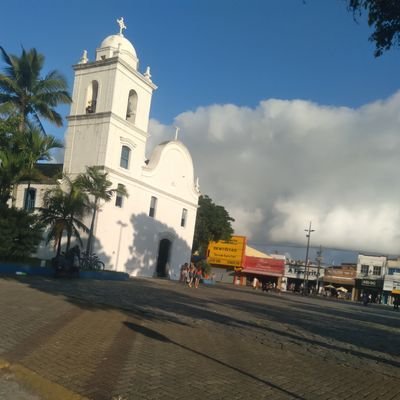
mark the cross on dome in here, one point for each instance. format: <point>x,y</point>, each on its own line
<point>121,25</point>
<point>177,132</point>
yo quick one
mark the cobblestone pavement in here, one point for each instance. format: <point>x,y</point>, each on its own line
<point>156,339</point>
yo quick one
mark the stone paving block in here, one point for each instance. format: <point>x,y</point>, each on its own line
<point>155,339</point>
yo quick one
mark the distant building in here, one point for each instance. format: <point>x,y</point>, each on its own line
<point>371,271</point>
<point>391,283</point>
<point>342,276</point>
<point>234,261</point>
<point>297,274</point>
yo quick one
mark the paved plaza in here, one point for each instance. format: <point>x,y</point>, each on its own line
<point>156,339</point>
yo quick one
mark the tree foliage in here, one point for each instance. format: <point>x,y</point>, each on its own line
<point>19,153</point>
<point>62,211</point>
<point>26,96</point>
<point>24,91</point>
<point>96,184</point>
<point>384,17</point>
<point>213,223</point>
<point>20,234</point>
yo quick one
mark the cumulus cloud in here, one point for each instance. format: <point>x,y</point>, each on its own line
<point>284,163</point>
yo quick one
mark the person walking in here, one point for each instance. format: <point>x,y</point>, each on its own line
<point>255,283</point>
<point>365,299</point>
<point>191,273</point>
<point>396,303</point>
<point>186,275</point>
<point>198,276</point>
<point>183,272</point>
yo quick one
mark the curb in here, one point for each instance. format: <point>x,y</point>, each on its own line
<point>42,387</point>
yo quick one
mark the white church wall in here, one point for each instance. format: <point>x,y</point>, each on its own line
<point>129,237</point>
<point>122,135</point>
<point>83,146</point>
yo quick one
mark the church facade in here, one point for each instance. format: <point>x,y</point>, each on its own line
<point>150,232</point>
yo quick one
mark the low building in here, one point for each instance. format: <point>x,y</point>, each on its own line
<point>234,261</point>
<point>267,268</point>
<point>391,283</point>
<point>342,277</point>
<point>226,256</point>
<point>297,274</point>
<point>371,270</point>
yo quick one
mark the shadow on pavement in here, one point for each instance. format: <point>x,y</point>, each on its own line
<point>150,333</point>
<point>166,301</point>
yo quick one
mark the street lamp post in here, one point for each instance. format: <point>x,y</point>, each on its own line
<point>306,267</point>
<point>319,259</point>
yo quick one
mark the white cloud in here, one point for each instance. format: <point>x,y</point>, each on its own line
<point>284,163</point>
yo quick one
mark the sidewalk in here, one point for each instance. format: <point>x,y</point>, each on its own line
<point>11,389</point>
<point>156,339</point>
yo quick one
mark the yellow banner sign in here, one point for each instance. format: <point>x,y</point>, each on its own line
<point>229,253</point>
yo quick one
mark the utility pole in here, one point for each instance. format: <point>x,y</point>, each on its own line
<point>306,267</point>
<point>319,260</point>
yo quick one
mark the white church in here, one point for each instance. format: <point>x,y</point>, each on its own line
<point>150,232</point>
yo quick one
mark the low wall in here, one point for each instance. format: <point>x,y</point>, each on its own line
<point>15,269</point>
<point>27,270</point>
<point>104,275</point>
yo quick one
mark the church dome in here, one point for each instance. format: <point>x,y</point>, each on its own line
<point>114,41</point>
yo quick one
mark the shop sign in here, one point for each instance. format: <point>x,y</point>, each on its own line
<point>340,272</point>
<point>263,266</point>
<point>396,287</point>
<point>298,272</point>
<point>370,283</point>
<point>227,252</point>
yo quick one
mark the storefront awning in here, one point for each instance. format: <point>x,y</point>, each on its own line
<point>260,272</point>
<point>263,266</point>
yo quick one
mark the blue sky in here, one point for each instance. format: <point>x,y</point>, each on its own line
<point>287,114</point>
<point>216,51</point>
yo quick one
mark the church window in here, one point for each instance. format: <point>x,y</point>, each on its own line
<point>125,155</point>
<point>30,198</point>
<point>119,198</point>
<point>153,206</point>
<point>91,101</point>
<point>184,217</point>
<point>131,106</point>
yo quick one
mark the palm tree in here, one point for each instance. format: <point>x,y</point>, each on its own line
<point>23,90</point>
<point>95,183</point>
<point>62,211</point>
<point>35,146</point>
<point>11,165</point>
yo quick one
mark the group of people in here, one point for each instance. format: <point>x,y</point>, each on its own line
<point>191,275</point>
<point>265,285</point>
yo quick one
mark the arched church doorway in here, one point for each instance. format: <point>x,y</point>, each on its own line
<point>163,256</point>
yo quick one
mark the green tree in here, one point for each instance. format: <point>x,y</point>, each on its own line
<point>20,233</point>
<point>8,127</point>
<point>19,153</point>
<point>63,211</point>
<point>11,161</point>
<point>35,146</point>
<point>11,165</point>
<point>213,223</point>
<point>384,17</point>
<point>95,183</point>
<point>23,89</point>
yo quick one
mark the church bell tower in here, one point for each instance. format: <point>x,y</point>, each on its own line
<point>108,121</point>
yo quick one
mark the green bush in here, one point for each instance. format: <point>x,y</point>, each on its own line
<point>20,234</point>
